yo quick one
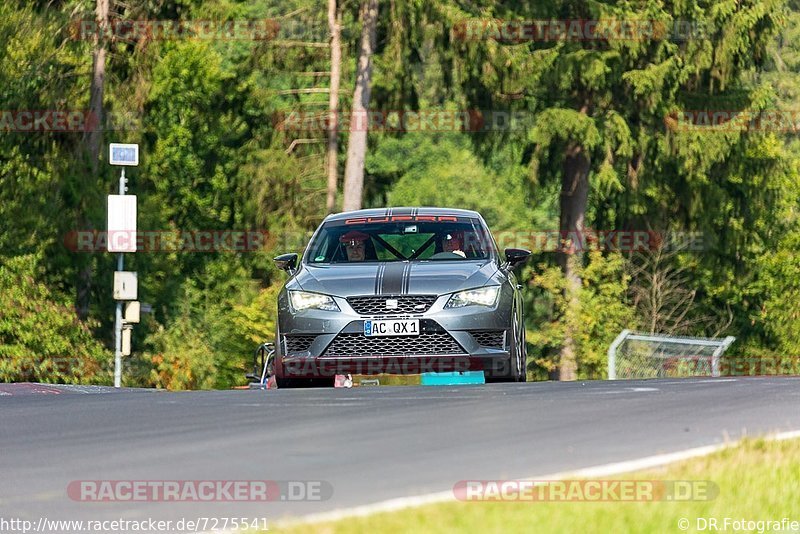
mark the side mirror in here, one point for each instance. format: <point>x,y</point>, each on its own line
<point>286,262</point>
<point>515,256</point>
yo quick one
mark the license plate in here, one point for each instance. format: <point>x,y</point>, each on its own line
<point>391,327</point>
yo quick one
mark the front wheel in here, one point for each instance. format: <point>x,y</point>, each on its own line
<point>522,351</point>
<point>519,352</point>
<point>517,364</point>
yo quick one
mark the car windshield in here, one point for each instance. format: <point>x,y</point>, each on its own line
<point>419,238</point>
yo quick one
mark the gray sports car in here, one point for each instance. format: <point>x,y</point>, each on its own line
<point>400,291</point>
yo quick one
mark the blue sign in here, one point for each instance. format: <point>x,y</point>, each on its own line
<point>123,154</point>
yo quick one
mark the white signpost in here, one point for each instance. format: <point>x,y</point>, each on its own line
<point>121,239</point>
<point>122,223</point>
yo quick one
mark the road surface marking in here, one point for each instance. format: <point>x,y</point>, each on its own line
<point>648,462</point>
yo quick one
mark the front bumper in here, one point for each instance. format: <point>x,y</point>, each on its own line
<point>322,344</point>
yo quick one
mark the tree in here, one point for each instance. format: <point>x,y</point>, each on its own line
<point>357,146</point>
<point>663,291</point>
<point>600,104</point>
<point>93,139</point>
<point>431,170</point>
<point>595,318</point>
<point>334,23</point>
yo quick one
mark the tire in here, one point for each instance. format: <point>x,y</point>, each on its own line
<point>522,346</point>
<point>519,352</point>
<point>517,371</point>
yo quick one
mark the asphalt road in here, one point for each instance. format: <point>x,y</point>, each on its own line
<point>368,444</point>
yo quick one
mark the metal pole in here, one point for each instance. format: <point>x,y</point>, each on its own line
<point>612,354</point>
<point>717,353</point>
<point>118,317</point>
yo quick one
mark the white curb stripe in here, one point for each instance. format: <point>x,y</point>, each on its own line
<point>401,503</point>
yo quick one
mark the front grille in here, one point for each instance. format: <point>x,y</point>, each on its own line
<point>406,304</point>
<point>493,339</point>
<point>299,343</point>
<point>425,344</point>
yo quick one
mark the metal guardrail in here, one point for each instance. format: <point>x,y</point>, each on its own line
<point>263,358</point>
<point>719,345</point>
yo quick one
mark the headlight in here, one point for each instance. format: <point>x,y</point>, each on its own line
<point>303,300</point>
<point>484,296</point>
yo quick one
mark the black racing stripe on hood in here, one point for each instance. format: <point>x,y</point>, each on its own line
<point>379,278</point>
<point>393,278</point>
<point>407,278</point>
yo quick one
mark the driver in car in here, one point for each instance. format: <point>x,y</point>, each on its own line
<point>454,243</point>
<point>355,245</point>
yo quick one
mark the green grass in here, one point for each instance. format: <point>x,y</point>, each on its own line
<point>757,480</point>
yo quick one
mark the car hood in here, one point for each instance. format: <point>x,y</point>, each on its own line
<point>419,278</point>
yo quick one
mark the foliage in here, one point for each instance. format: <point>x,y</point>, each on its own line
<point>255,321</point>
<point>603,312</point>
<point>214,157</point>
<point>41,338</point>
<point>222,316</point>
<point>779,282</point>
<point>431,170</point>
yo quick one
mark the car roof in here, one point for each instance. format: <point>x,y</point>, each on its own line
<point>405,210</point>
